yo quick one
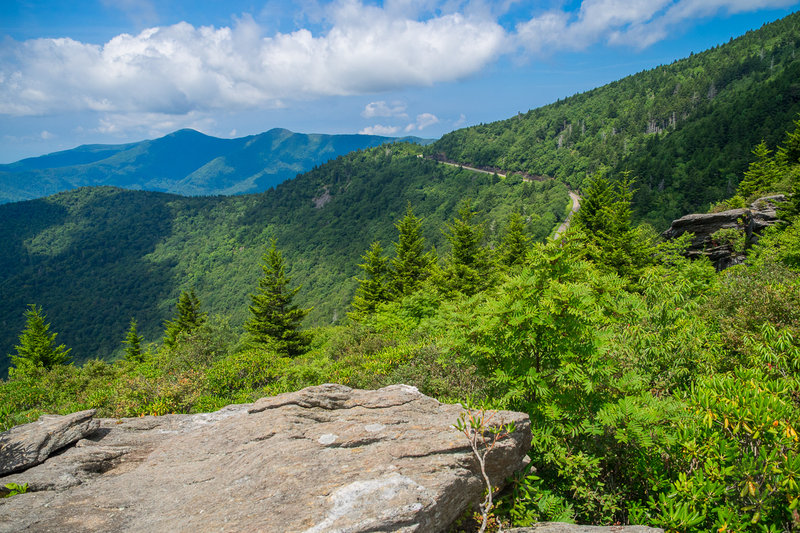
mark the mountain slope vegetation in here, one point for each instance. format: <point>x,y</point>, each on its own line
<point>660,391</point>
<point>185,162</point>
<point>684,129</point>
<point>95,257</point>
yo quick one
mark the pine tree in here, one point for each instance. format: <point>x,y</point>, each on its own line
<point>37,346</point>
<point>789,151</point>
<point>515,243</point>
<point>411,265</point>
<point>275,320</point>
<point>188,318</point>
<point>605,216</point>
<point>469,268</point>
<point>761,174</point>
<point>598,194</point>
<point>133,344</point>
<point>373,289</point>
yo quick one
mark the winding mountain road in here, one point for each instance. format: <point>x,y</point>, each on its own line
<point>576,200</point>
<point>576,204</point>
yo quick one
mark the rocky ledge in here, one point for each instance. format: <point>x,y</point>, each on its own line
<point>323,459</point>
<point>749,222</point>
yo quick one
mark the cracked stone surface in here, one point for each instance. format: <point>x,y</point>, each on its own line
<point>28,445</point>
<point>323,459</point>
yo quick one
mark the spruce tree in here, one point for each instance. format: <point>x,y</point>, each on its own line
<point>789,151</point>
<point>761,173</point>
<point>515,243</point>
<point>275,320</point>
<point>411,264</point>
<point>373,288</point>
<point>605,217</point>
<point>595,197</point>
<point>469,267</point>
<point>133,344</point>
<point>188,317</point>
<point>37,346</point>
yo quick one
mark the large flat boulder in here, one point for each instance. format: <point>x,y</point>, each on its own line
<point>28,445</point>
<point>324,459</point>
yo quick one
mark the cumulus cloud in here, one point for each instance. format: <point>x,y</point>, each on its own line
<point>379,129</point>
<point>423,121</point>
<point>181,68</point>
<point>382,109</point>
<point>638,23</point>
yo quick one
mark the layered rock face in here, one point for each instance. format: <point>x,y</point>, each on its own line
<point>323,459</point>
<point>751,222</point>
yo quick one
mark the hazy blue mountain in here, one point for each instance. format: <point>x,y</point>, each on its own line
<point>184,162</point>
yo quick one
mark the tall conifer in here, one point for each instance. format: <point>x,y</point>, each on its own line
<point>515,243</point>
<point>133,344</point>
<point>275,320</point>
<point>469,268</point>
<point>411,264</point>
<point>373,288</point>
<point>37,346</point>
<point>188,317</point>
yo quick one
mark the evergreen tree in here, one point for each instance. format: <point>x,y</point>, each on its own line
<point>469,268</point>
<point>37,346</point>
<point>275,320</point>
<point>515,243</point>
<point>188,318</point>
<point>605,217</point>
<point>596,197</point>
<point>411,265</point>
<point>761,174</point>
<point>133,344</point>
<point>373,289</point>
<point>789,152</point>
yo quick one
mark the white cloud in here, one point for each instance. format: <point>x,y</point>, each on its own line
<point>382,109</point>
<point>379,129</point>
<point>638,23</point>
<point>46,135</point>
<point>153,124</point>
<point>423,121</point>
<point>181,68</point>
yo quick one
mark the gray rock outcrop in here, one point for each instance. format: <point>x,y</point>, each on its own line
<point>751,222</point>
<point>323,459</point>
<point>28,445</point>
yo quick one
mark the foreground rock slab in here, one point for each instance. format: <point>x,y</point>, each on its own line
<point>323,459</point>
<point>30,444</point>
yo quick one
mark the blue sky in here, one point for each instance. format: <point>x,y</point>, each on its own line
<point>115,71</point>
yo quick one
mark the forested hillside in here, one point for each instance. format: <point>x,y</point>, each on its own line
<point>659,391</point>
<point>685,129</point>
<point>185,162</point>
<point>95,257</point>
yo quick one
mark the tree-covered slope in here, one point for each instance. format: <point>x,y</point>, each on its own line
<point>184,162</point>
<point>95,257</point>
<point>685,129</point>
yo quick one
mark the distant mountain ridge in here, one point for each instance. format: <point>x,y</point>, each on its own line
<point>184,162</point>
